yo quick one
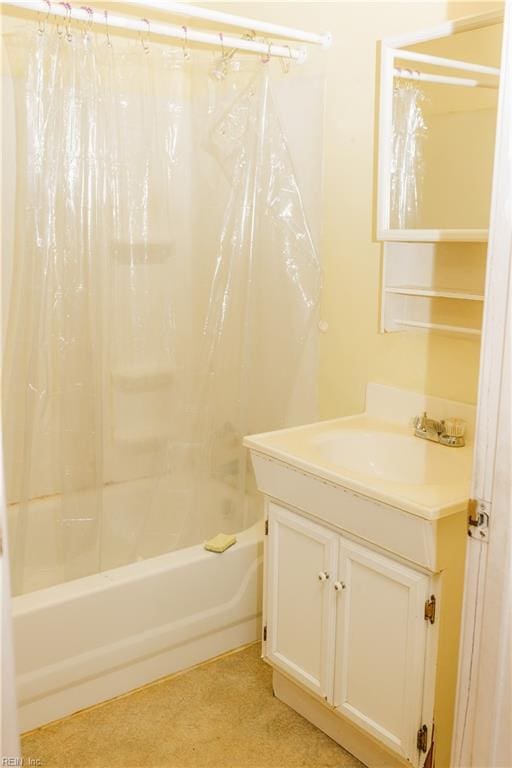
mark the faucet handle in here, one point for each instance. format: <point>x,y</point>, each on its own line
<point>418,422</point>
<point>455,427</point>
<point>453,433</point>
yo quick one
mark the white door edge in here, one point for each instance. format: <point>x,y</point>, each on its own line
<point>479,738</point>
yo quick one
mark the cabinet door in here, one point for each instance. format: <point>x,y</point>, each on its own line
<point>380,646</point>
<point>301,603</point>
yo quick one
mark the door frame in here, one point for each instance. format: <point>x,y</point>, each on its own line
<point>473,716</point>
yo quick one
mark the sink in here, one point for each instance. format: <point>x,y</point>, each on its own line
<point>372,455</point>
<point>392,457</point>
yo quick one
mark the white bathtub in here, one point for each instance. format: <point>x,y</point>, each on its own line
<point>91,639</point>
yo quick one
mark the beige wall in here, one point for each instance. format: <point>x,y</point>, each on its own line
<point>352,351</point>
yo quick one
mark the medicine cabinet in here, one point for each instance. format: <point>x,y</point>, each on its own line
<point>438,106</point>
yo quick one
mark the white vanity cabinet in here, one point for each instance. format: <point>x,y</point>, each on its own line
<point>366,530</point>
<point>348,623</point>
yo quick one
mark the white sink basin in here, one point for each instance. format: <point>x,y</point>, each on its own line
<point>395,458</point>
<point>373,454</point>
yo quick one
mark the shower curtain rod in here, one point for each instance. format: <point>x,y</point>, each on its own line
<point>145,26</point>
<point>467,82</point>
<point>232,20</point>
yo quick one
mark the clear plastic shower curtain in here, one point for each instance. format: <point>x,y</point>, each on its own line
<point>52,405</point>
<point>164,295</point>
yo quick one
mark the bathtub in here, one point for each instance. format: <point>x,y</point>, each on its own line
<point>88,640</point>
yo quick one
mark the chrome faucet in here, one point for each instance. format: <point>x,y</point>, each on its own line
<point>448,432</point>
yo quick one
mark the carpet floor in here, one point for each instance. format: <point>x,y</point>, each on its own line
<point>221,714</point>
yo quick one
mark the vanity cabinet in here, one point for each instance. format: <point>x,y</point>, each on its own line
<point>348,623</point>
<point>366,530</point>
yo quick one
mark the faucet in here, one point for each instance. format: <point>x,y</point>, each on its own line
<point>448,432</point>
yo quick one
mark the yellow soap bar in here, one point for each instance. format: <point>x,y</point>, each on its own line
<point>220,542</point>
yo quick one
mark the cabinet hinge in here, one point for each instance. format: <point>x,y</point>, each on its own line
<point>266,527</point>
<point>265,632</point>
<point>422,738</point>
<point>430,609</point>
<point>478,519</point>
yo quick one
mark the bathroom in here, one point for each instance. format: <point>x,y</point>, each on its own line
<point>256,340</point>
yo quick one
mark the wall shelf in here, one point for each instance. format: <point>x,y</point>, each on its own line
<point>441,293</point>
<point>433,235</point>
<point>421,288</point>
<point>444,328</point>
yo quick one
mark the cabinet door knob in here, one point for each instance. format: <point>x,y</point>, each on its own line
<point>339,585</point>
<point>323,576</point>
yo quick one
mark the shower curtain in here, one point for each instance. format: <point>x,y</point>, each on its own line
<point>164,292</point>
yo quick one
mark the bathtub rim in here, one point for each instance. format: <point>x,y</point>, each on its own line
<point>66,591</point>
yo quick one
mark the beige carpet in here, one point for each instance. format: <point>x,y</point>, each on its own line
<point>219,715</point>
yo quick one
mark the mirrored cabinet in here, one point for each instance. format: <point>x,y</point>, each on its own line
<point>438,107</point>
<point>437,125</point>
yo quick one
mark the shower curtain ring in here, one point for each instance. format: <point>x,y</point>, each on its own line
<point>265,57</point>
<point>144,43</point>
<point>107,32</point>
<point>60,31</point>
<point>222,49</point>
<point>224,58</point>
<point>186,52</point>
<point>67,23</point>
<point>66,29</point>
<point>285,63</point>
<point>41,23</point>
<point>88,21</point>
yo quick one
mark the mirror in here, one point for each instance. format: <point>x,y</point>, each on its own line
<point>437,128</point>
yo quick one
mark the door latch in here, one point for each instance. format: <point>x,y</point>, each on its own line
<point>478,519</point>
